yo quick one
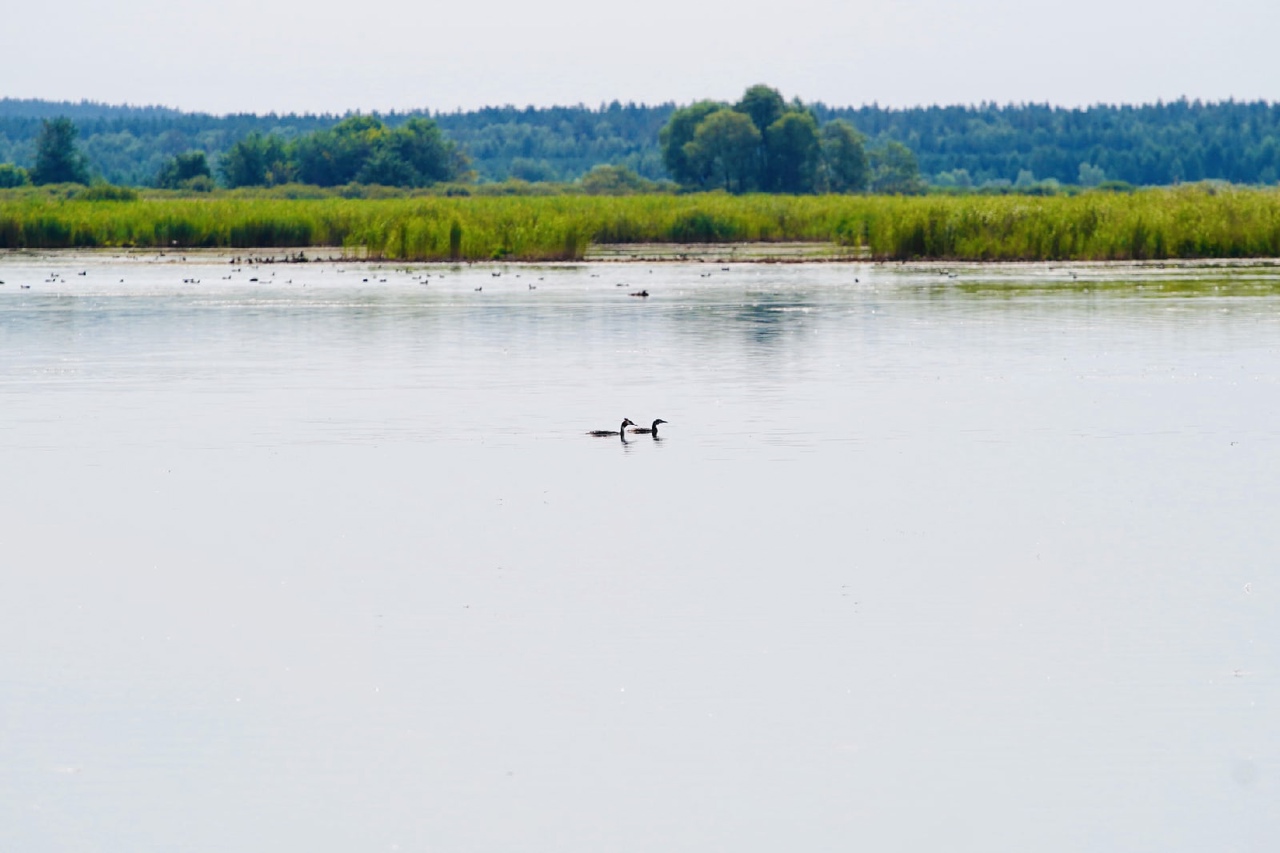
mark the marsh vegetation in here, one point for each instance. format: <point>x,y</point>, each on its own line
<point>1188,222</point>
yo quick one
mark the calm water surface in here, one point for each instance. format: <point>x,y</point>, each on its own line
<point>321,563</point>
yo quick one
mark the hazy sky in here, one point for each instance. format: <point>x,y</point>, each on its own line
<point>335,55</point>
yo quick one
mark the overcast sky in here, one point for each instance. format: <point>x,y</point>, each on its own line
<point>336,55</point>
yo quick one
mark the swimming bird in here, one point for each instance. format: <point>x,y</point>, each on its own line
<point>644,294</point>
<point>652,430</point>
<point>601,433</point>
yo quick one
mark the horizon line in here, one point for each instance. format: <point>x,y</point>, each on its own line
<point>605,105</point>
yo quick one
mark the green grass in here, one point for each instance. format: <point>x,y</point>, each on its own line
<point>1188,222</point>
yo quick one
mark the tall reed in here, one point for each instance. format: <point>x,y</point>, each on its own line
<point>1189,222</point>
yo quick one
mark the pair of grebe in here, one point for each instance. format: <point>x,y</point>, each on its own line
<point>621,431</point>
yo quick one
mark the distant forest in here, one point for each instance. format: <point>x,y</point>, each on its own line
<point>984,145</point>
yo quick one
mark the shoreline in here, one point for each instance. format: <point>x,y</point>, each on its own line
<point>761,253</point>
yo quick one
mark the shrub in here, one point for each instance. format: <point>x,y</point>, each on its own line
<point>107,192</point>
<point>13,176</point>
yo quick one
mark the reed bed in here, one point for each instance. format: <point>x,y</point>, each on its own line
<point>1187,222</point>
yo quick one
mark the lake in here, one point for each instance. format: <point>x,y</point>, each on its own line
<point>318,557</point>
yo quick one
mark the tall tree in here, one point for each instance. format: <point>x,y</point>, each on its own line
<point>791,146</point>
<point>424,149</point>
<point>57,159</point>
<point>330,158</point>
<point>843,167</point>
<point>677,133</point>
<point>255,161</point>
<point>724,150</point>
<point>763,104</point>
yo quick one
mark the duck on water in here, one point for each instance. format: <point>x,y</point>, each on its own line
<point>620,431</point>
<point>650,430</point>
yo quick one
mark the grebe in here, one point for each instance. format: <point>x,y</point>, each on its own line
<point>653,430</point>
<point>626,422</point>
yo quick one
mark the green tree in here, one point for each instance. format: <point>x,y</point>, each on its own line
<point>13,176</point>
<point>724,150</point>
<point>895,170</point>
<point>330,158</point>
<point>677,133</point>
<point>57,160</point>
<point>843,167</point>
<point>181,170</point>
<point>792,153</point>
<point>791,145</point>
<point>363,149</point>
<point>387,168</point>
<point>420,144</point>
<point>763,104</point>
<point>317,160</point>
<point>765,107</point>
<point>256,161</point>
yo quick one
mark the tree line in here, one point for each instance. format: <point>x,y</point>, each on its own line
<point>981,145</point>
<point>130,145</point>
<point>1146,145</point>
<point>761,144</point>
<point>359,149</point>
